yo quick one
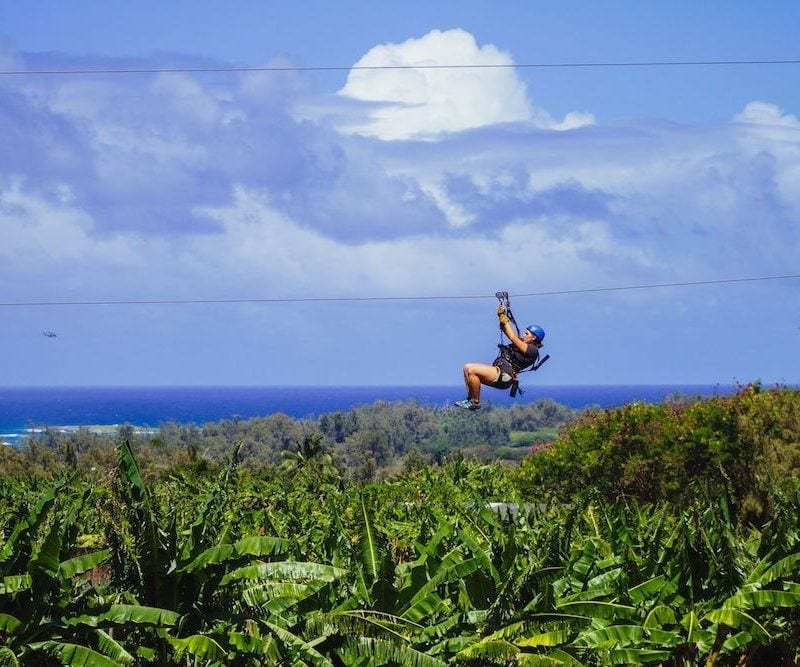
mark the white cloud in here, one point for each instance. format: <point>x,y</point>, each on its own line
<point>426,103</point>
<point>37,232</point>
<point>574,120</point>
<point>295,205</point>
<point>263,250</point>
<point>49,247</point>
<point>764,113</point>
<point>764,129</point>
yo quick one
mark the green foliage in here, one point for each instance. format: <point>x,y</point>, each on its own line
<point>41,589</point>
<point>658,453</point>
<point>369,442</point>
<point>296,564</point>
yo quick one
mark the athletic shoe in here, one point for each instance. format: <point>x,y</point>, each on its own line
<point>467,404</point>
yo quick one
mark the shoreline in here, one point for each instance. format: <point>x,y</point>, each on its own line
<point>16,439</point>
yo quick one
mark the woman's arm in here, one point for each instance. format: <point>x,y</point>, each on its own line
<point>520,344</point>
<point>509,331</point>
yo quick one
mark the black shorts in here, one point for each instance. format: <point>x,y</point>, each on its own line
<point>505,374</point>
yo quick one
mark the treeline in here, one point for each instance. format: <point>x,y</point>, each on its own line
<point>294,564</point>
<point>366,443</point>
<point>746,444</point>
<point>743,443</point>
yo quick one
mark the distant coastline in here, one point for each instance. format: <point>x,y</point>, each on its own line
<point>23,409</point>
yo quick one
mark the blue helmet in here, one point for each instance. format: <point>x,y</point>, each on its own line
<point>537,331</point>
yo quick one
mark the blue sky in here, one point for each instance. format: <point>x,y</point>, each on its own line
<point>397,183</point>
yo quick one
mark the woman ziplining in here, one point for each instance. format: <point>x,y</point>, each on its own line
<point>522,353</point>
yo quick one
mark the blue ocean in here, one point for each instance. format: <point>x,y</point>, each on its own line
<point>23,409</point>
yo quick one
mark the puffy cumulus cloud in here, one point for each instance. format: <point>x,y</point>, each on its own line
<point>764,113</point>
<point>426,102</point>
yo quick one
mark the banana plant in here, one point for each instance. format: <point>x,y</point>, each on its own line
<point>199,594</point>
<point>41,590</point>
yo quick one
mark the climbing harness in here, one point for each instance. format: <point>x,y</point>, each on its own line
<point>505,361</point>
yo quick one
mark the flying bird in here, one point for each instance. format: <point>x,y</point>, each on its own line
<point>49,334</point>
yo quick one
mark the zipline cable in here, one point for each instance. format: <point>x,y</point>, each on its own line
<point>339,68</point>
<point>161,302</point>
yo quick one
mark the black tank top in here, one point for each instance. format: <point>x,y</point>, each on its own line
<point>518,360</point>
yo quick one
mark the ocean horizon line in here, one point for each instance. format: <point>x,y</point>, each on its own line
<point>362,386</point>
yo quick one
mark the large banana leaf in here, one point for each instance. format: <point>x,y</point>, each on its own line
<point>208,513</point>
<point>265,648</point>
<point>298,645</point>
<point>8,658</point>
<point>285,571</point>
<point>646,590</point>
<point>610,636</point>
<point>425,607</point>
<point>146,524</point>
<point>555,658</point>
<point>19,542</point>
<point>550,638</point>
<point>509,631</point>
<point>737,642</point>
<point>80,564</point>
<point>482,554</point>
<point>488,650</point>
<point>44,561</point>
<point>9,624</point>
<point>597,609</point>
<point>75,655</point>
<point>785,567</point>
<point>763,599</point>
<point>278,596</point>
<point>130,613</point>
<point>426,598</point>
<point>15,583</point>
<point>658,616</point>
<point>126,613</point>
<point>113,649</point>
<point>382,652</point>
<point>443,529</point>
<point>639,656</point>
<point>361,623</point>
<point>370,550</point>
<point>441,629</point>
<point>199,646</point>
<point>256,545</point>
<point>132,473</point>
<point>662,638</point>
<point>735,618</point>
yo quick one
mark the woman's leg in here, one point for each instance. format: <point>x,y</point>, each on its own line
<point>475,375</point>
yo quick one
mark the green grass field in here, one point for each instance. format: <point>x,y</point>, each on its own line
<point>545,434</point>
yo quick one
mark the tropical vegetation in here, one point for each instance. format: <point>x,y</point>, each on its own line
<point>370,442</point>
<point>464,562</point>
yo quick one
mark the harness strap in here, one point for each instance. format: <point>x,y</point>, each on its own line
<point>504,299</point>
<point>538,363</point>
